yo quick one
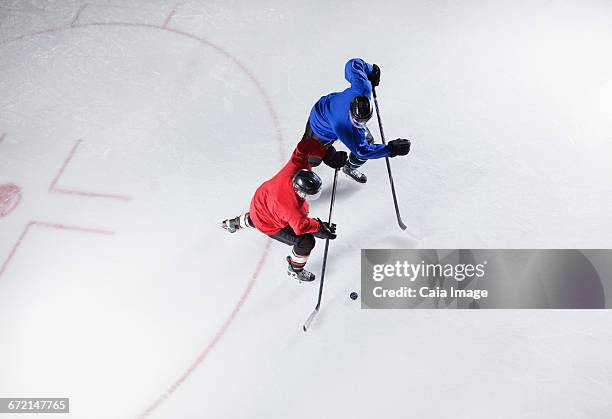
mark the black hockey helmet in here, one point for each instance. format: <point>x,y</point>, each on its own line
<point>307,184</point>
<point>361,111</point>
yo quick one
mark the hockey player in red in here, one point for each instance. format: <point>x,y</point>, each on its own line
<point>280,208</point>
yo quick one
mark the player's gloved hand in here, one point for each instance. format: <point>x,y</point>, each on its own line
<point>399,147</point>
<point>335,159</point>
<point>327,231</point>
<point>374,76</point>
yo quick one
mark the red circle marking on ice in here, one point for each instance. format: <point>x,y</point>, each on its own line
<point>10,195</point>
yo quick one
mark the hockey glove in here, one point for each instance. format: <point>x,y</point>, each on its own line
<point>335,159</point>
<point>399,147</point>
<point>327,231</point>
<point>374,76</point>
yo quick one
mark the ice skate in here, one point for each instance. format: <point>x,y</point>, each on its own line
<point>300,274</point>
<point>231,225</point>
<point>354,174</point>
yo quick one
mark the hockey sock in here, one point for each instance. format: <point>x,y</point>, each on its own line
<point>245,221</point>
<point>297,261</point>
<point>354,162</point>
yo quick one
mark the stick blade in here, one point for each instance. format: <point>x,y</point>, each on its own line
<point>401,224</point>
<point>309,320</point>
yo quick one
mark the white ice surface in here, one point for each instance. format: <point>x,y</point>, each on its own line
<point>508,103</point>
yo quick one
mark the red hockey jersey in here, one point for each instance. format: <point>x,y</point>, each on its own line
<point>276,205</point>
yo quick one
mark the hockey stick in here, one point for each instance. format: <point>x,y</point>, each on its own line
<point>382,134</point>
<point>331,208</point>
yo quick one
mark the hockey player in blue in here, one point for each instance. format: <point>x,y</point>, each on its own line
<point>344,115</point>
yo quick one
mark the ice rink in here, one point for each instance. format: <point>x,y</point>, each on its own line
<point>130,129</point>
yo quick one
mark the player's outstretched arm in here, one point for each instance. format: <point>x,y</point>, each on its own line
<point>356,72</point>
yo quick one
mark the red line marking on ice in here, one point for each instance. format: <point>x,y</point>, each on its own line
<point>53,186</point>
<point>91,194</point>
<point>47,225</point>
<point>169,17</point>
<point>78,14</point>
<point>275,120</point>
<point>211,345</point>
<point>72,228</point>
<point>63,168</point>
<point>14,249</point>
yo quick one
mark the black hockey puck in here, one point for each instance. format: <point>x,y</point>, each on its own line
<point>354,295</point>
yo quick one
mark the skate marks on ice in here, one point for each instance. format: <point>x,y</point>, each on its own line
<point>76,24</point>
<point>53,187</point>
<point>348,191</point>
<point>44,224</point>
<point>217,337</point>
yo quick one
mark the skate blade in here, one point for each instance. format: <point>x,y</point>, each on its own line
<point>226,227</point>
<point>300,280</point>
<point>355,180</point>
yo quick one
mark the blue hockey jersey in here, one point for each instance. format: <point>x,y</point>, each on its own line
<point>330,119</point>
